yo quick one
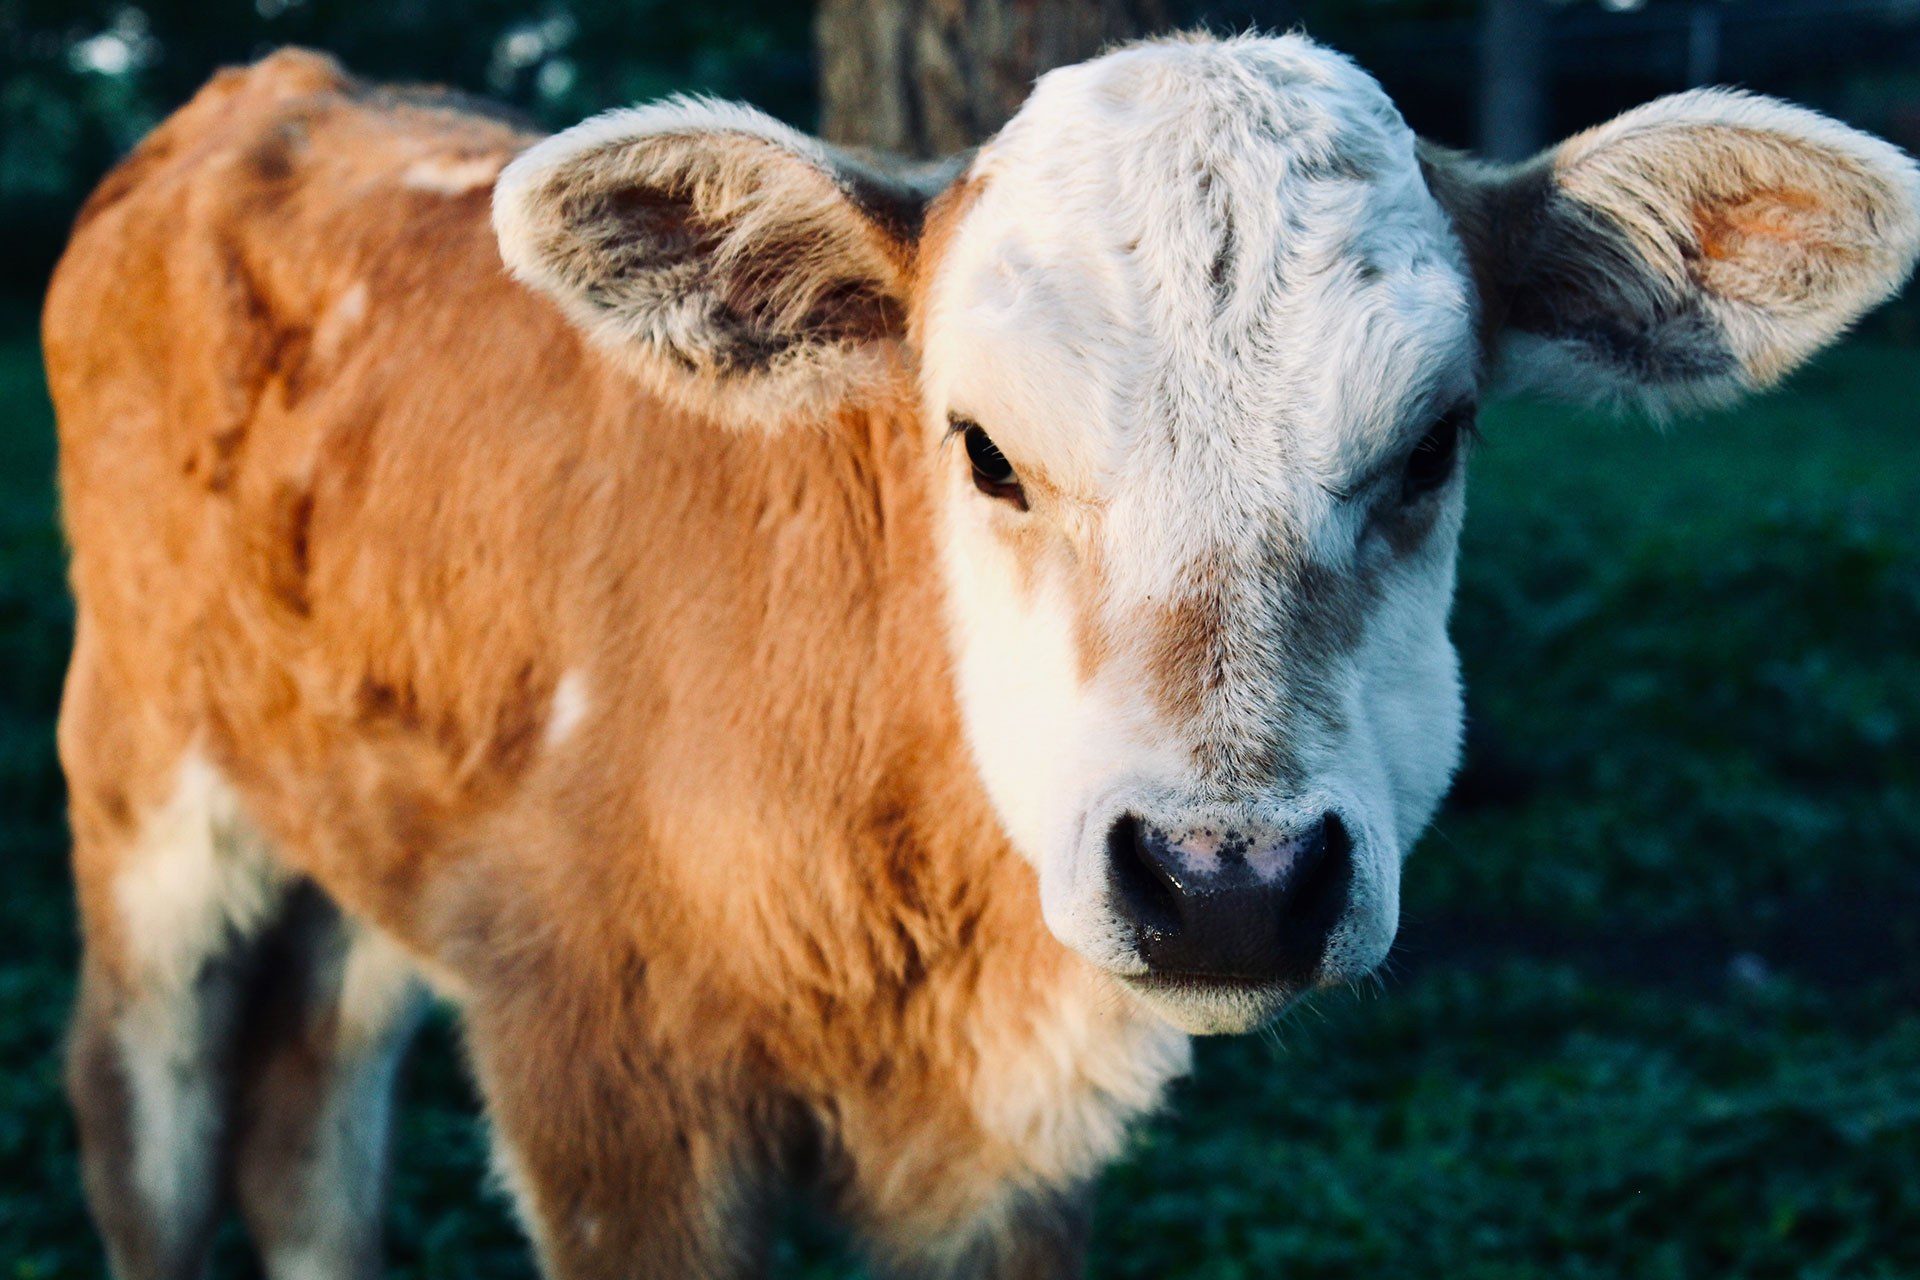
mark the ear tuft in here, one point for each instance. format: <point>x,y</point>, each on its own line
<point>739,266</point>
<point>1692,249</point>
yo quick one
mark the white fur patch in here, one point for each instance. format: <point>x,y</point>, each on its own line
<point>570,705</point>
<point>509,1178</point>
<point>177,1102</point>
<point>451,175</point>
<point>347,313</point>
<point>196,874</point>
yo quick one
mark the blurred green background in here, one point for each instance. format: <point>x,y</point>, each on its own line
<point>1656,1007</point>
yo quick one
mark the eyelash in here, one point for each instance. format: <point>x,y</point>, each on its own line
<point>1465,421</point>
<point>1443,441</point>
<point>1003,482</point>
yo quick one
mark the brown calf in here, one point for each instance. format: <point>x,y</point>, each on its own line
<point>858,806</point>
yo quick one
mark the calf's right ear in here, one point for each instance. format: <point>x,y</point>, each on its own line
<point>741,267</point>
<point>1690,250</point>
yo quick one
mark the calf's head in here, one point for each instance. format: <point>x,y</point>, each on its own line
<point>1196,343</point>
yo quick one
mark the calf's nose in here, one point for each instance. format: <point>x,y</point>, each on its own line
<point>1217,903</point>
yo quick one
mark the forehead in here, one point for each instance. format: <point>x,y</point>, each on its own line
<point>1187,242</point>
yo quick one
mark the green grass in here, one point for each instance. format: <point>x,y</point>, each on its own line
<point>1657,1008</point>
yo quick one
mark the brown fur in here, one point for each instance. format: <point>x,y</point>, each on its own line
<point>752,917</point>
<point>1226,626</point>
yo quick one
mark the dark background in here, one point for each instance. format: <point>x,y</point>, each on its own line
<point>1656,1007</point>
<point>81,80</point>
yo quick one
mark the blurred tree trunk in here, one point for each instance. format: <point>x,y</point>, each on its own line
<point>930,77</point>
<point>1513,78</point>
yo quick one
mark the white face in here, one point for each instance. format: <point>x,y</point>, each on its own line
<point>1206,308</point>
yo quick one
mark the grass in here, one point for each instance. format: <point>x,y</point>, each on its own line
<point>1656,1012</point>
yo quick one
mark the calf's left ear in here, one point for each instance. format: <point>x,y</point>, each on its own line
<point>1687,251</point>
<point>744,269</point>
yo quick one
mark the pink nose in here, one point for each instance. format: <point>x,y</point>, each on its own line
<point>1213,902</point>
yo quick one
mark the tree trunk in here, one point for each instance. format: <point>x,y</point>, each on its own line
<point>927,78</point>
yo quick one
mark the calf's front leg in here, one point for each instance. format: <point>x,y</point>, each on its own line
<point>624,1161</point>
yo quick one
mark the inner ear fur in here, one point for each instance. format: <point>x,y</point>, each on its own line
<point>1685,252</point>
<point>738,265</point>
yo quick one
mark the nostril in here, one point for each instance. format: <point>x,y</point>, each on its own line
<point>1142,882</point>
<point>1317,896</point>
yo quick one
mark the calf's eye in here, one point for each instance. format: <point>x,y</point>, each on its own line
<point>993,475</point>
<point>1432,461</point>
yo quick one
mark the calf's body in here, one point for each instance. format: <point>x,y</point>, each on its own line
<point>832,672</point>
<point>634,734</point>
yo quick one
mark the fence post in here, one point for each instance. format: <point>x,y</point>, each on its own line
<point>1513,78</point>
<point>1703,44</point>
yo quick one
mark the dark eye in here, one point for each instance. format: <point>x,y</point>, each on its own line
<point>1431,463</point>
<point>992,473</point>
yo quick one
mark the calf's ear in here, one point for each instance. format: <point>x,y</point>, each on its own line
<point>1690,250</point>
<point>741,267</point>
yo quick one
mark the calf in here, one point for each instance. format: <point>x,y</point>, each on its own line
<point>834,675</point>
